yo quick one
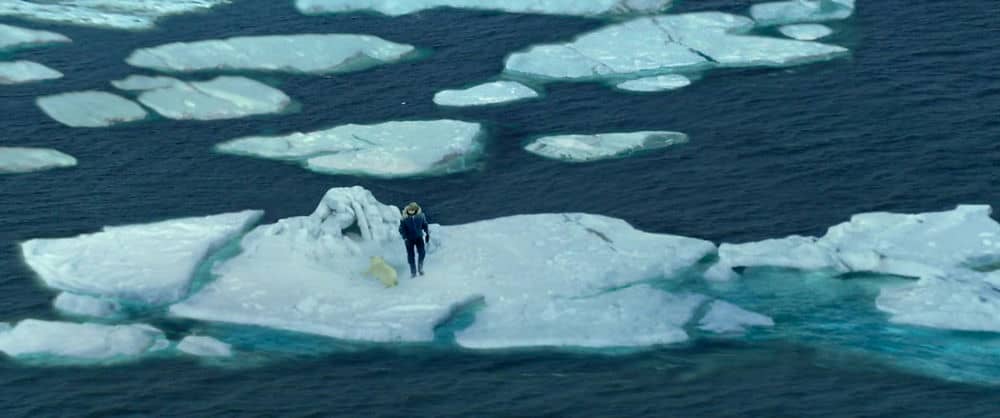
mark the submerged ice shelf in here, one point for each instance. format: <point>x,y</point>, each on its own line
<point>583,148</point>
<point>556,7</point>
<point>390,149</point>
<point>111,14</point>
<point>24,160</point>
<point>306,53</point>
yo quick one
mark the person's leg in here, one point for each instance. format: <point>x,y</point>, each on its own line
<point>421,251</point>
<point>409,257</point>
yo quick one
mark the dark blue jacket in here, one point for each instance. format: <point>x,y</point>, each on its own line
<point>411,228</point>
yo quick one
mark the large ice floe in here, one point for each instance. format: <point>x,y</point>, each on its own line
<point>797,11</point>
<point>24,160</point>
<point>226,97</point>
<point>13,37</point>
<point>35,339</point>
<point>391,149</point>
<point>557,7</point>
<point>530,280</point>
<point>18,72</point>
<point>307,53</point>
<point>152,264</point>
<point>90,109</point>
<point>583,148</point>
<point>658,45</point>
<point>114,14</point>
<point>485,94</point>
<point>951,254</point>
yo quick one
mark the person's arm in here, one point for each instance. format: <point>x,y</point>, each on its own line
<point>401,235</point>
<point>427,230</point>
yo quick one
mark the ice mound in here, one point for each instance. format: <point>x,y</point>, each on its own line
<point>658,83</point>
<point>308,53</point>
<point>90,109</point>
<point>796,11</point>
<point>25,72</point>
<point>82,305</point>
<point>114,14</point>
<point>805,31</point>
<point>152,263</point>
<point>651,46</point>
<point>583,148</point>
<point>24,160</point>
<point>220,98</point>
<point>633,317</point>
<point>204,347</point>
<point>724,317</point>
<point>557,7</point>
<point>307,274</point>
<point>390,149</point>
<point>944,250</point>
<point>485,94</point>
<point>13,37</point>
<point>87,342</point>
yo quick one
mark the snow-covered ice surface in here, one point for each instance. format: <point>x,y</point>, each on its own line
<point>112,14</point>
<point>306,53</point>
<point>391,149</point>
<point>806,31</point>
<point>36,339</point>
<point>583,148</point>
<point>204,347</point>
<point>90,109</point>
<point>13,37</point>
<point>555,7</point>
<point>24,160</point>
<point>17,72</point>
<point>724,317</point>
<point>82,305</point>
<point>658,45</point>
<point>307,274</point>
<point>151,263</point>
<point>658,83</point>
<point>797,11</point>
<point>485,94</point>
<point>226,97</point>
<point>945,251</point>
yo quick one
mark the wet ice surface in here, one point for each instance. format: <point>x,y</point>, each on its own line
<point>110,14</point>
<point>226,97</point>
<point>653,84</point>
<point>305,53</point>
<point>390,149</point>
<point>24,160</point>
<point>485,94</point>
<point>13,37</point>
<point>557,7</point>
<point>583,148</point>
<point>80,342</point>
<point>798,11</point>
<point>805,31</point>
<point>18,72</point>
<point>90,109</point>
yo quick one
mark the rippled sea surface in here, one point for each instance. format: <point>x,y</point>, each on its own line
<point>909,122</point>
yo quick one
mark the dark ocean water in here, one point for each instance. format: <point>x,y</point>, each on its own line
<point>909,122</point>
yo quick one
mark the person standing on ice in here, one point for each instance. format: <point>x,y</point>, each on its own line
<point>413,228</point>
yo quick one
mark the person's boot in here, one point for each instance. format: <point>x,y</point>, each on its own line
<point>420,269</point>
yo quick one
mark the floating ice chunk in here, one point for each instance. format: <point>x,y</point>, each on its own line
<point>204,347</point>
<point>26,71</point>
<point>321,260</point>
<point>960,300</point>
<point>308,53</point>
<point>633,317</point>
<point>805,31</point>
<point>724,317</point>
<point>142,83</point>
<point>920,245</point>
<point>557,7</point>
<point>658,83</point>
<point>82,305</point>
<point>583,148</point>
<point>23,160</point>
<point>659,45</point>
<point>115,14</point>
<point>219,98</point>
<point>88,342</point>
<point>391,149</point>
<point>90,109</point>
<point>485,94</point>
<point>796,11</point>
<point>152,263</point>
<point>13,37</point>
